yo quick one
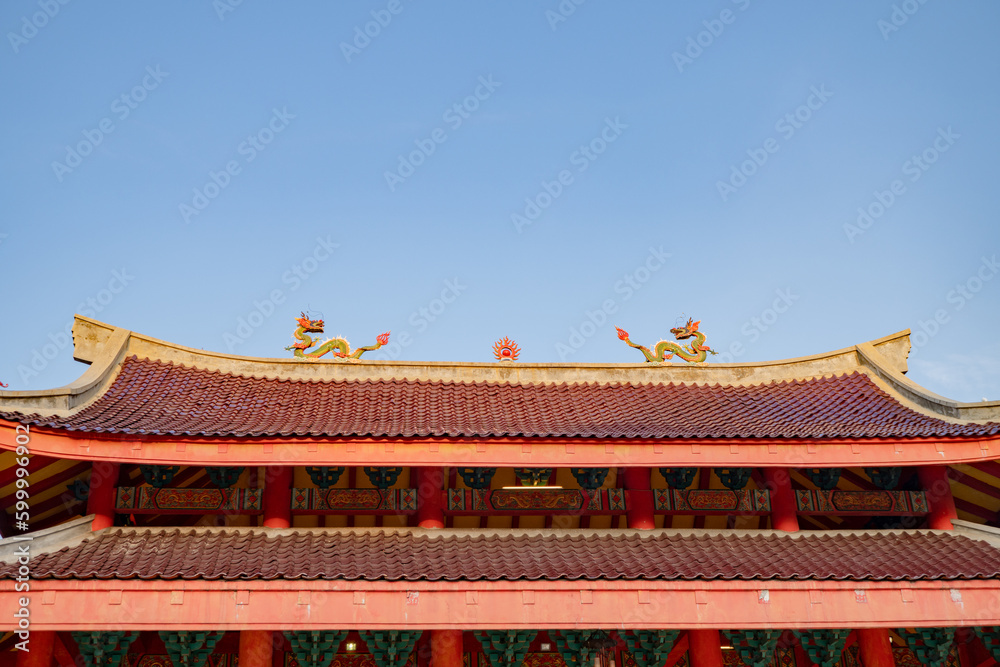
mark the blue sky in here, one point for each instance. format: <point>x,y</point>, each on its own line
<point>799,177</point>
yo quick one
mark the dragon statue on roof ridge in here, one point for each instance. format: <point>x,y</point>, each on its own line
<point>695,351</point>
<point>337,347</point>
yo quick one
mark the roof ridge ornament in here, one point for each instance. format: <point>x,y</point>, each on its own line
<point>694,352</point>
<point>506,350</point>
<point>338,347</point>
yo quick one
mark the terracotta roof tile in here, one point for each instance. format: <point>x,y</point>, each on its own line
<point>157,398</point>
<point>412,555</point>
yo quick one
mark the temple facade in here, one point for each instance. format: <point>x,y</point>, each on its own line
<point>180,508</point>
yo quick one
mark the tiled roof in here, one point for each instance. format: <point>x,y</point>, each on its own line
<point>413,554</point>
<point>157,398</point>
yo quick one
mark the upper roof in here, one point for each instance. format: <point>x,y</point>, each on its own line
<point>414,554</point>
<point>156,398</point>
<point>141,386</point>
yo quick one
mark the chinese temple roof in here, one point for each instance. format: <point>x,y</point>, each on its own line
<point>413,554</point>
<point>139,386</point>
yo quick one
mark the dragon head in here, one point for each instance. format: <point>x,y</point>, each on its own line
<point>311,326</point>
<point>686,331</point>
<point>622,334</point>
<point>383,339</point>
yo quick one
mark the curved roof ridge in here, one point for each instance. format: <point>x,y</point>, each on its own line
<point>156,349</point>
<point>920,397</point>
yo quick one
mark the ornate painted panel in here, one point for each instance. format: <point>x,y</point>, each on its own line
<point>906,503</point>
<point>711,501</point>
<point>354,501</point>
<point>537,501</point>
<point>149,500</point>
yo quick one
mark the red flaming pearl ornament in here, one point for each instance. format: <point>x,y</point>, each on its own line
<point>506,350</point>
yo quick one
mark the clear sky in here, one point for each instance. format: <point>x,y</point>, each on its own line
<point>800,177</point>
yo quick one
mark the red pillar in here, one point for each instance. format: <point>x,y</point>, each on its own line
<point>705,648</point>
<point>61,654</point>
<point>278,497</point>
<point>446,648</point>
<point>40,645</point>
<point>430,501</point>
<point>101,497</point>
<point>640,508</point>
<point>875,648</point>
<point>934,479</point>
<point>779,483</point>
<point>255,648</point>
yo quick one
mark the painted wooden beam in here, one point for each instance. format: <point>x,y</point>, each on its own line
<point>504,451</point>
<point>462,605</point>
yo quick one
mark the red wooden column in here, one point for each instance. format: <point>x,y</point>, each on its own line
<point>970,651</point>
<point>875,648</point>
<point>430,500</point>
<point>255,648</point>
<point>779,483</point>
<point>934,479</point>
<point>640,507</point>
<point>278,497</point>
<point>40,645</point>
<point>446,648</point>
<point>101,497</point>
<point>705,648</point>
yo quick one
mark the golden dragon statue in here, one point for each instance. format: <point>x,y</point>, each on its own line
<point>338,347</point>
<point>695,351</point>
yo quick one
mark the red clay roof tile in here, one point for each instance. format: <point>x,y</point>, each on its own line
<point>414,555</point>
<point>157,398</point>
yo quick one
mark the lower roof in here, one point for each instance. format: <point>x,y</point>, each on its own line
<point>413,554</point>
